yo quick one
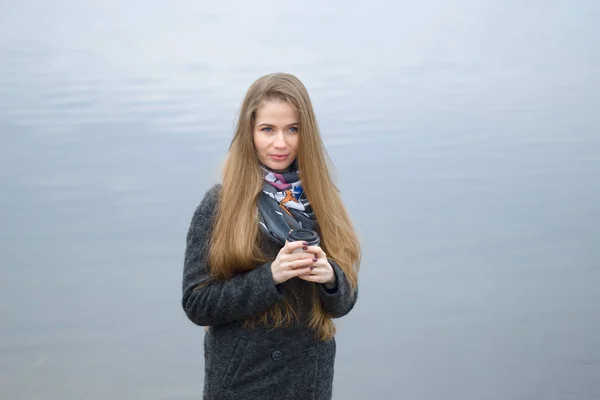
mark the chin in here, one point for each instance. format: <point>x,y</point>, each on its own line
<point>278,167</point>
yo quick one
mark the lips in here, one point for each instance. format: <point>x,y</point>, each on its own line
<point>279,157</point>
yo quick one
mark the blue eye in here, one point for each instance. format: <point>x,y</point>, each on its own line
<point>266,129</point>
<point>294,129</point>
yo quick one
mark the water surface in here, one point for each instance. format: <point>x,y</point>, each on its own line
<point>467,150</point>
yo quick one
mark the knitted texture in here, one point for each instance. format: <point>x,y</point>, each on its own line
<point>256,363</point>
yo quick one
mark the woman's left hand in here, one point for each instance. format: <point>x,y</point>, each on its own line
<point>321,271</point>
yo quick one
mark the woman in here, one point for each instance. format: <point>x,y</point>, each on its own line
<point>269,303</point>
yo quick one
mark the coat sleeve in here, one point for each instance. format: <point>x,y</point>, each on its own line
<point>339,300</point>
<point>210,302</point>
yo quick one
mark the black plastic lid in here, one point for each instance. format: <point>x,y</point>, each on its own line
<point>306,235</point>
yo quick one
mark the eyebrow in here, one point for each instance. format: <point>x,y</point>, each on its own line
<point>267,124</point>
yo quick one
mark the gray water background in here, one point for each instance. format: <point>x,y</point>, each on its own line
<point>467,147</point>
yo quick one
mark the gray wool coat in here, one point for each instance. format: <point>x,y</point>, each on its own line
<point>257,363</point>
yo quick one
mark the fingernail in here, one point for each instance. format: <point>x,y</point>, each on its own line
<point>315,259</point>
<point>313,267</point>
<point>305,248</point>
<point>305,243</point>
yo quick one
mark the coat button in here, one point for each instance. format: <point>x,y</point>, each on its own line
<point>311,352</point>
<point>277,355</point>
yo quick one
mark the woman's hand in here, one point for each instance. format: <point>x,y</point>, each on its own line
<point>321,271</point>
<point>288,265</point>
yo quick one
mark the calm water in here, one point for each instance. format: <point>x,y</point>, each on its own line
<point>467,147</point>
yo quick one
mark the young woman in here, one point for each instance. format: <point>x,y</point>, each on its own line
<point>269,303</point>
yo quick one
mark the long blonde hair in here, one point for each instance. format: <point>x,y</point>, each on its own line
<point>235,239</point>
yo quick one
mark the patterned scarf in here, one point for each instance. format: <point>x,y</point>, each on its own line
<point>283,204</point>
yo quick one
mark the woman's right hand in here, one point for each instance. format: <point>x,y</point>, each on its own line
<point>288,265</point>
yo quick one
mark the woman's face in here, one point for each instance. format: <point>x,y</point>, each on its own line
<point>276,134</point>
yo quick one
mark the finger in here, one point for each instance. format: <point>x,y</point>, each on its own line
<point>300,256</point>
<point>302,263</point>
<point>289,258</point>
<point>296,272</point>
<point>314,271</point>
<point>317,251</point>
<point>321,268</point>
<point>289,247</point>
<point>297,256</point>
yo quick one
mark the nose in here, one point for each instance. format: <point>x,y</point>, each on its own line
<point>279,141</point>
